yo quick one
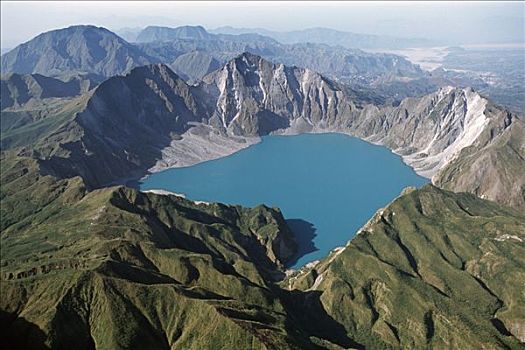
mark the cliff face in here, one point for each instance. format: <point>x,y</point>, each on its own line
<point>437,134</point>
<point>255,96</point>
<point>460,140</point>
<point>454,136</point>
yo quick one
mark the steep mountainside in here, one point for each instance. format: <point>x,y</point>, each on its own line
<point>496,164</point>
<point>192,66</point>
<point>124,126</point>
<point>426,271</point>
<point>255,96</point>
<point>132,122</point>
<point>168,267</point>
<point>84,49</point>
<point>432,270</point>
<point>18,90</point>
<point>459,139</point>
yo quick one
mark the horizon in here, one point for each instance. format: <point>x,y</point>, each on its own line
<point>470,23</point>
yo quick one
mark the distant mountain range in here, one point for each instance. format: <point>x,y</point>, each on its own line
<point>311,35</point>
<point>93,50</point>
<point>153,33</point>
<point>332,37</point>
<point>192,52</point>
<point>20,90</point>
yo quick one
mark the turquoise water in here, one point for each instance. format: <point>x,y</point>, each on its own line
<point>327,185</point>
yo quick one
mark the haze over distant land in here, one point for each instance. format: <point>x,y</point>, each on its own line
<point>448,23</point>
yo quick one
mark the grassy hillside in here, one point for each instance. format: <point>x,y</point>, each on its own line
<point>116,268</point>
<point>434,269</point>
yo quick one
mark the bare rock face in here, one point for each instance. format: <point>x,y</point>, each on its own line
<point>255,96</point>
<point>454,136</point>
<point>494,167</point>
<point>458,139</point>
<point>430,131</point>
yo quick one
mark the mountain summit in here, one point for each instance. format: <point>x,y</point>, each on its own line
<point>75,49</point>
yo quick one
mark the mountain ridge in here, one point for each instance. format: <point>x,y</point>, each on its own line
<point>251,97</point>
<point>81,48</point>
<point>332,37</point>
<point>103,53</point>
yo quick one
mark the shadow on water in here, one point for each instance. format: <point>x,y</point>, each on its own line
<point>134,183</point>
<point>304,233</point>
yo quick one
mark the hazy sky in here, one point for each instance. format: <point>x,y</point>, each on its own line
<point>455,22</point>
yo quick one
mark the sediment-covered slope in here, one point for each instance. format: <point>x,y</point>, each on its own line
<point>124,126</point>
<point>495,167</point>
<point>131,122</point>
<point>433,269</point>
<point>456,137</point>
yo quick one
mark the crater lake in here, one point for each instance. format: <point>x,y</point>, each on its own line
<point>327,185</point>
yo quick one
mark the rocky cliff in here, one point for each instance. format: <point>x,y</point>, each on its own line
<point>151,115</point>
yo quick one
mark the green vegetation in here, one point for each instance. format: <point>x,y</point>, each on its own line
<point>434,269</point>
<point>130,270</point>
<point>116,268</point>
